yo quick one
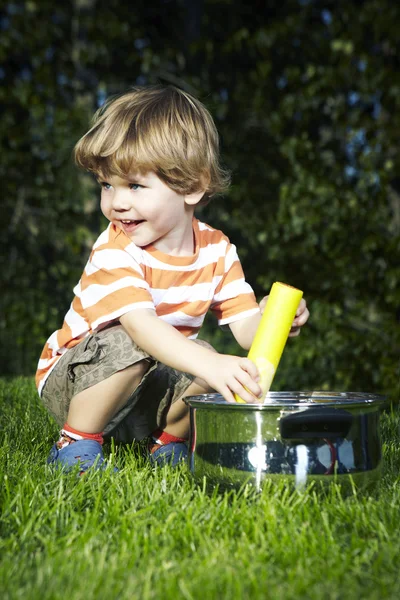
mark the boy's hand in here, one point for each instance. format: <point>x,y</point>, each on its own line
<point>231,375</point>
<point>300,319</point>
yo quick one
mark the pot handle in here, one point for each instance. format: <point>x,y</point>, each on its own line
<point>328,423</point>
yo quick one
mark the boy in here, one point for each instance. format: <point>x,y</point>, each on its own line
<point>126,355</point>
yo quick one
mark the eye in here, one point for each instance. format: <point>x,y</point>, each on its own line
<point>135,186</point>
<point>105,185</point>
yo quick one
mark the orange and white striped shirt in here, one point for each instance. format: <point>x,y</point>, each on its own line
<point>120,276</point>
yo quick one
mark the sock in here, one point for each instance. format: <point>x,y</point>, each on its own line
<point>161,438</point>
<point>69,435</point>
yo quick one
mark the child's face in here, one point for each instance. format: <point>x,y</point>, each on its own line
<point>149,212</point>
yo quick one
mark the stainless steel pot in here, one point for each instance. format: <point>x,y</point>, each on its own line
<point>299,436</point>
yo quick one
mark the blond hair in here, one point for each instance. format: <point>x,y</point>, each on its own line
<point>155,128</point>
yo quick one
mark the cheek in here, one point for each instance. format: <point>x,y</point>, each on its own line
<point>155,215</point>
<point>167,212</point>
<point>104,205</point>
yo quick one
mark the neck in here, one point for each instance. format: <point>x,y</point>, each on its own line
<point>181,242</point>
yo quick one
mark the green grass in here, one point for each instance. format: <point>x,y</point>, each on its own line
<point>145,533</point>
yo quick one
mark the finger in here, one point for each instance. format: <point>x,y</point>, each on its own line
<point>244,389</point>
<point>253,399</point>
<point>253,387</point>
<point>301,319</point>
<point>301,308</point>
<point>302,314</point>
<point>250,378</point>
<point>294,332</point>
<point>247,365</point>
<point>228,396</point>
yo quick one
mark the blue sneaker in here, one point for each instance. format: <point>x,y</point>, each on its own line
<point>168,454</point>
<point>85,453</point>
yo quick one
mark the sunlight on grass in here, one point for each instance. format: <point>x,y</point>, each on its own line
<point>147,533</point>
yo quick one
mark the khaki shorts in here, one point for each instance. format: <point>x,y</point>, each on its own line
<point>101,355</point>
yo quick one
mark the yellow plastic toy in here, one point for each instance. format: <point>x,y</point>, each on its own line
<point>272,333</point>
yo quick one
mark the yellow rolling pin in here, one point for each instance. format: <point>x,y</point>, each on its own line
<point>272,333</point>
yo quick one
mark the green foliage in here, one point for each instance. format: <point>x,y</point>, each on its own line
<point>306,97</point>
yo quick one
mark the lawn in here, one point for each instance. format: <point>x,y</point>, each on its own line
<point>151,533</point>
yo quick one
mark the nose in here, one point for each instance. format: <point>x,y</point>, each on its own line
<point>121,201</point>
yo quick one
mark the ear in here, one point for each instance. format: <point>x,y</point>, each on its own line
<point>194,198</point>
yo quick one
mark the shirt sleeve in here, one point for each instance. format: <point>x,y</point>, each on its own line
<point>234,298</point>
<point>112,284</point>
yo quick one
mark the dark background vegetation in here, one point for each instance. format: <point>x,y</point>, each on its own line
<point>306,96</point>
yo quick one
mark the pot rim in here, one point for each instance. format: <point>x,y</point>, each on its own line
<point>291,399</point>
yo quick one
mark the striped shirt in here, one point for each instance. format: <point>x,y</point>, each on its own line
<point>120,277</point>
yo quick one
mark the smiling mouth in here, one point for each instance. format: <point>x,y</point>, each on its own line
<point>129,222</point>
<point>130,225</point>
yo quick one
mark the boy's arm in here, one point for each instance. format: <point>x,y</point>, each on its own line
<point>226,374</point>
<point>244,330</point>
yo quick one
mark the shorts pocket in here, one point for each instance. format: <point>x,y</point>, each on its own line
<point>92,354</point>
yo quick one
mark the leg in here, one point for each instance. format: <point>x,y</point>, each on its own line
<point>169,444</point>
<point>89,412</point>
<point>177,418</point>
<point>91,409</point>
<point>89,385</point>
<point>175,424</point>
